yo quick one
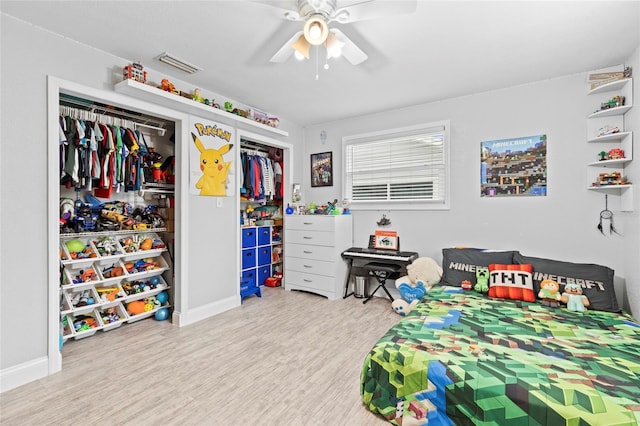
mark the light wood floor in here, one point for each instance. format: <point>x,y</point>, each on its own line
<point>289,358</point>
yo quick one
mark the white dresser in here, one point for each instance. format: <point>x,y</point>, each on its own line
<point>312,249</point>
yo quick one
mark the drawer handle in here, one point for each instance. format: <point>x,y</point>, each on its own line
<point>307,266</point>
<point>307,281</point>
<point>307,252</point>
<point>308,238</point>
<point>308,223</point>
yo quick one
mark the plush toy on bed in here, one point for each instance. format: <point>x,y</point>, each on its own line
<point>574,299</point>
<point>422,274</point>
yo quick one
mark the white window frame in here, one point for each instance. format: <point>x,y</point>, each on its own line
<point>391,134</point>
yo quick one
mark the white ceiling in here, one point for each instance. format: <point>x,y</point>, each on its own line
<point>445,49</point>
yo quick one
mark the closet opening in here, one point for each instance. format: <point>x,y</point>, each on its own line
<point>264,163</point>
<point>114,203</point>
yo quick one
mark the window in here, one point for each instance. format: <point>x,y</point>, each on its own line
<point>401,168</point>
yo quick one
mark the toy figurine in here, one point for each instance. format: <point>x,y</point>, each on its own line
<point>482,280</point>
<point>550,293</point>
<point>615,154</point>
<point>197,96</point>
<point>574,299</point>
<point>168,86</point>
<point>603,155</point>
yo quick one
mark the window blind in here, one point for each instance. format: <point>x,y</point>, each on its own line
<point>397,167</point>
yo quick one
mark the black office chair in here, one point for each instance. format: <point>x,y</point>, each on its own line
<point>381,272</point>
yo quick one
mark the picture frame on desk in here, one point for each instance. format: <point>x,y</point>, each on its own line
<point>322,169</point>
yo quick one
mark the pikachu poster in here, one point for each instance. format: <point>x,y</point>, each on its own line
<point>211,154</point>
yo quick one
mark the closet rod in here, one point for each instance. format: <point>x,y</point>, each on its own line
<point>96,116</point>
<point>110,110</point>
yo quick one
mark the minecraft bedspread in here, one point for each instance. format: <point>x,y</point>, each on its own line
<point>462,358</point>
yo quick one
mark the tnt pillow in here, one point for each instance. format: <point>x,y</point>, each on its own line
<point>596,280</point>
<point>511,282</point>
<point>460,264</point>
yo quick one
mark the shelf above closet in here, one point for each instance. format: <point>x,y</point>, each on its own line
<point>169,100</point>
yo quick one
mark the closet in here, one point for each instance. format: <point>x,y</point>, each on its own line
<point>261,193</point>
<point>116,226</point>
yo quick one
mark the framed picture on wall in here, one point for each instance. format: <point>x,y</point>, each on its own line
<point>322,169</point>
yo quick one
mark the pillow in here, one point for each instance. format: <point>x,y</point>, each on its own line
<point>596,280</point>
<point>459,264</point>
<point>511,282</point>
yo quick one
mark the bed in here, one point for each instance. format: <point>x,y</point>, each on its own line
<point>462,357</point>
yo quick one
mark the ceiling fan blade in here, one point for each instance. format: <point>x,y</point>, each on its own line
<point>350,51</point>
<point>286,50</point>
<point>372,9</point>
<point>287,9</point>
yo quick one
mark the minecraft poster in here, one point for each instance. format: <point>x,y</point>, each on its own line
<point>514,167</point>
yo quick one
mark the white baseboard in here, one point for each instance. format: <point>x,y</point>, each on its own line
<point>24,373</point>
<point>203,312</point>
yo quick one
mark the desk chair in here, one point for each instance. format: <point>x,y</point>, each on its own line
<point>381,272</point>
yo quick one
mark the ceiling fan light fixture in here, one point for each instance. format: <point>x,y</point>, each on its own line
<point>182,65</point>
<point>333,46</point>
<point>301,47</point>
<point>316,29</point>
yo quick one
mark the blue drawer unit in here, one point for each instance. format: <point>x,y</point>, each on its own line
<point>249,258</point>
<point>264,235</point>
<point>264,255</point>
<point>264,272</point>
<point>248,237</point>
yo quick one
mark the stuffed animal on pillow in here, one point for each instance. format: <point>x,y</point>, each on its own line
<point>422,274</point>
<point>574,299</point>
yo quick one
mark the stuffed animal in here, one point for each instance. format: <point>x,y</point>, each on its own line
<point>574,299</point>
<point>422,274</point>
<point>550,293</point>
<point>482,280</point>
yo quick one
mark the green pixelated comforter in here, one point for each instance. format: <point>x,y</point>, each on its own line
<point>461,358</point>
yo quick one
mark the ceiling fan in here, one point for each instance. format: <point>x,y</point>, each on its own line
<point>318,14</point>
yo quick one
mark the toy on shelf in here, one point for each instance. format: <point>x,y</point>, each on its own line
<point>197,96</point>
<point>615,154</point>
<point>610,179</point>
<point>608,130</point>
<point>168,86</point>
<point>135,72</point>
<point>616,101</point>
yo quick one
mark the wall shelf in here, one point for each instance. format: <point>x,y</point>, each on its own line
<point>613,137</point>
<point>600,121</point>
<point>177,102</point>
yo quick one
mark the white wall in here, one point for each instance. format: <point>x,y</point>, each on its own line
<point>29,55</point>
<point>631,246</point>
<point>560,226</point>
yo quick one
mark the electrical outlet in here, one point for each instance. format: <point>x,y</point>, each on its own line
<point>219,202</point>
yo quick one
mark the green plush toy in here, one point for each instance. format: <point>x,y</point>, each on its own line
<point>482,280</point>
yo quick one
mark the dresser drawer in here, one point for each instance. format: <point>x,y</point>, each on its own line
<point>310,222</point>
<point>317,238</point>
<point>310,281</point>
<point>312,266</point>
<point>307,251</point>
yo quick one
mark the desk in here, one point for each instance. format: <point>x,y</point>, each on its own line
<point>392,257</point>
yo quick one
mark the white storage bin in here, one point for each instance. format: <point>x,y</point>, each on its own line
<point>86,275</point>
<point>109,294</point>
<point>81,299</point>
<point>140,288</point>
<point>112,271</point>
<point>85,324</point>
<point>108,249</point>
<point>138,246</point>
<point>112,316</point>
<point>79,260</point>
<point>146,267</point>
